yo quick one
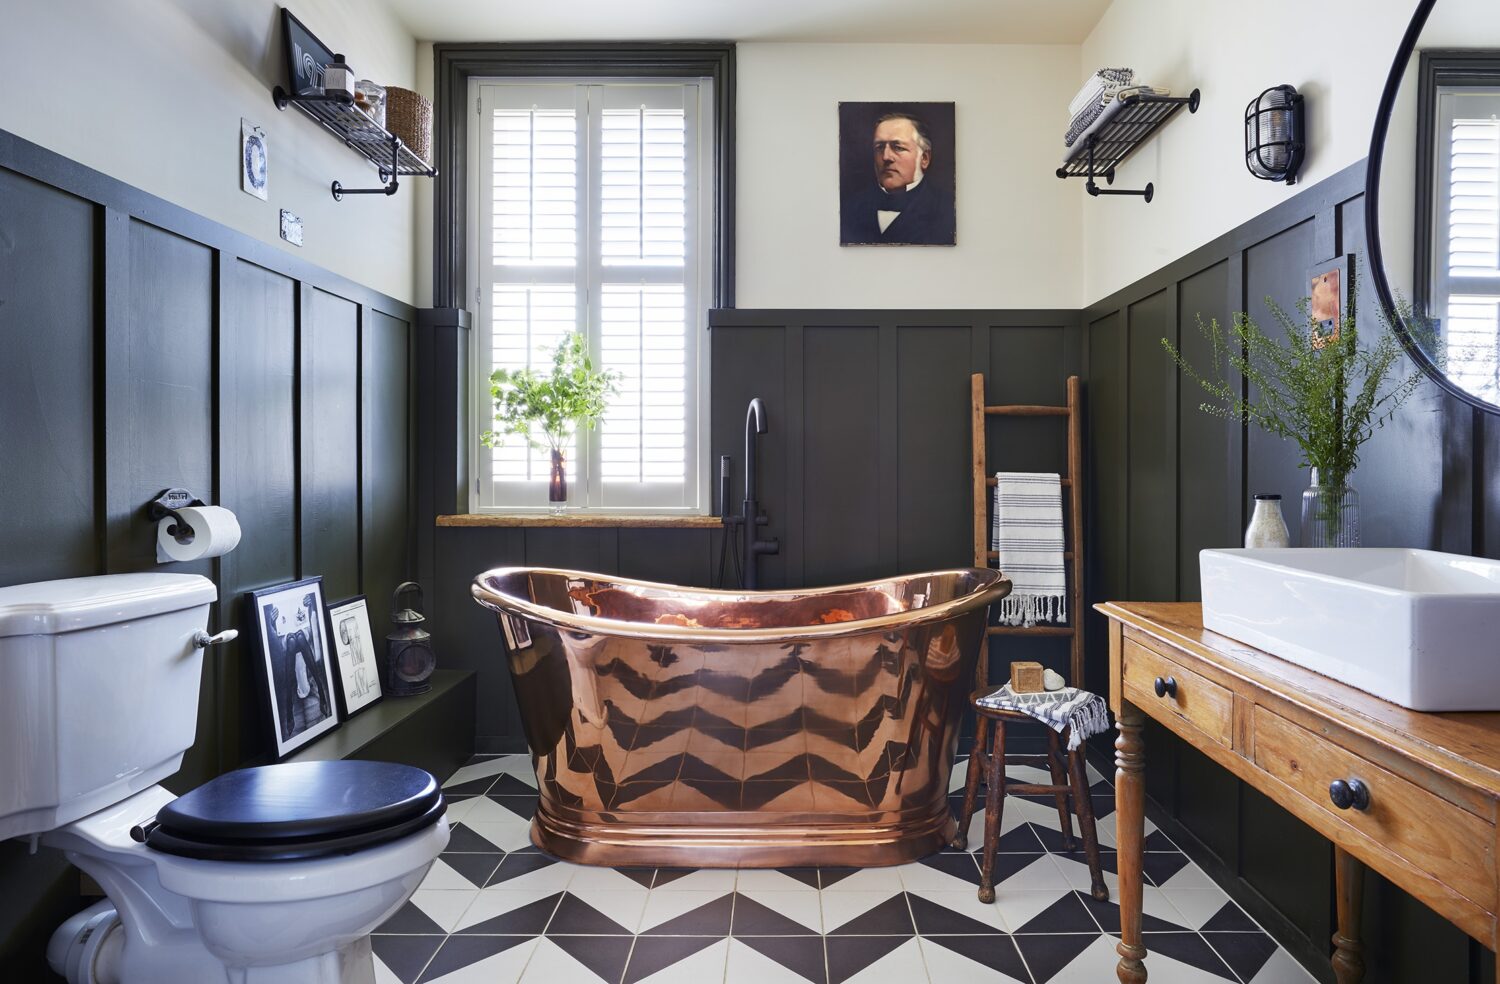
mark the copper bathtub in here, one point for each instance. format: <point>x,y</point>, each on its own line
<point>679,726</point>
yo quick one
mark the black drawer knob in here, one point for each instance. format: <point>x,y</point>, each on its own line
<point>1349,793</point>
<point>1166,687</point>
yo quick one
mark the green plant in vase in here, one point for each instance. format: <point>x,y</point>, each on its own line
<point>1326,388</point>
<point>556,403</point>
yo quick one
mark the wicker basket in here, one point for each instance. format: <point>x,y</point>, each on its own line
<point>408,115</point>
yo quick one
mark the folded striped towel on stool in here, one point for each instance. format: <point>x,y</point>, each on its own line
<point>1026,531</point>
<point>1084,712</point>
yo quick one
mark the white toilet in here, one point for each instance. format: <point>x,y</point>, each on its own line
<point>272,874</point>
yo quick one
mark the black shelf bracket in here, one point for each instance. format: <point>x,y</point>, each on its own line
<point>338,115</point>
<point>1138,118</point>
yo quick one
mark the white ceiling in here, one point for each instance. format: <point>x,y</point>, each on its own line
<point>930,21</point>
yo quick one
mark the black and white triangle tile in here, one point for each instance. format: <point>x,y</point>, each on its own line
<point>495,910</point>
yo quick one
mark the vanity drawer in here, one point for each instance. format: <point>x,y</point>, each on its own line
<point>1406,820</point>
<point>1199,701</point>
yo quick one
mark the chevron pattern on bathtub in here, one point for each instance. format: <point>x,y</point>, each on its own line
<point>495,910</point>
<point>781,733</point>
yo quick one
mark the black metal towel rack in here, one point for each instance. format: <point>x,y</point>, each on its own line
<point>339,116</point>
<point>1137,119</point>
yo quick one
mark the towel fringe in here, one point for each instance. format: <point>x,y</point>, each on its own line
<point>1029,609</point>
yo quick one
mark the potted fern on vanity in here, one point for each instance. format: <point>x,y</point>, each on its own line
<point>572,394</point>
<point>1323,387</point>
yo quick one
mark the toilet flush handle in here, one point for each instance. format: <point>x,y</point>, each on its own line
<point>202,640</point>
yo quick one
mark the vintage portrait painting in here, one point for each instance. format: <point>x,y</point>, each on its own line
<point>896,174</point>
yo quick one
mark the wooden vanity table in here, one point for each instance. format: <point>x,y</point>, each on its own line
<point>1411,795</point>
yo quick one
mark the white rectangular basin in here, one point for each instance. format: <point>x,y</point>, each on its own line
<point>1416,627</point>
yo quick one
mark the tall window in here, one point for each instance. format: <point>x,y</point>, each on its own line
<point>593,217</point>
<point>1465,273</point>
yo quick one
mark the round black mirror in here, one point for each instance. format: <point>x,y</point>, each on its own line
<point>1432,196</point>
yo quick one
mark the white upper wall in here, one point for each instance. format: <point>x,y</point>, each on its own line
<point>152,93</point>
<point>1336,53</point>
<point>1019,227</point>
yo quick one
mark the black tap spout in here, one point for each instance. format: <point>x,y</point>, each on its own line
<point>755,425</point>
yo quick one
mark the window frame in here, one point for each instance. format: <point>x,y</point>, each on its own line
<point>588,271</point>
<point>1440,70</point>
<point>454,65</point>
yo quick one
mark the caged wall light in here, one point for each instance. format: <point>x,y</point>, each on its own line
<point>1275,130</point>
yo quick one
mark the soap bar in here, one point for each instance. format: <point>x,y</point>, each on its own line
<point>1026,678</point>
<point>1053,680</point>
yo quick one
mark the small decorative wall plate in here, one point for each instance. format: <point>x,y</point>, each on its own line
<point>291,227</point>
<point>254,164</point>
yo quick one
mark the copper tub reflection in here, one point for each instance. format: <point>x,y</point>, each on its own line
<point>681,726</point>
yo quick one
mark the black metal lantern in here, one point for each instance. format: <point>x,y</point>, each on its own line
<point>1275,134</point>
<point>409,659</point>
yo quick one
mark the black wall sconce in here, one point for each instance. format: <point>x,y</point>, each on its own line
<point>1275,134</point>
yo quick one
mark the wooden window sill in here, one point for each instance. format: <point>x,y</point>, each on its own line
<point>580,520</point>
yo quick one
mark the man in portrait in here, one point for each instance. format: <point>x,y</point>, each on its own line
<point>906,203</point>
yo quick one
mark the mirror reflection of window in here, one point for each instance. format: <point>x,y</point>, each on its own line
<point>1465,273</point>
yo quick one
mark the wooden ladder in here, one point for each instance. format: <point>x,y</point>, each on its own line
<point>1073,529</point>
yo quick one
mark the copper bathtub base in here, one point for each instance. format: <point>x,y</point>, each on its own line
<point>719,843</point>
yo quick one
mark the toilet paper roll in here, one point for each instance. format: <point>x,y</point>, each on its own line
<point>216,531</point>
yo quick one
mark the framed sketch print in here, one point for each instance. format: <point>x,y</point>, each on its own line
<point>354,649</point>
<point>289,626</point>
<point>896,174</point>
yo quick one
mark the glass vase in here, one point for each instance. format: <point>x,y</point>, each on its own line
<point>1330,515</point>
<point>557,485</point>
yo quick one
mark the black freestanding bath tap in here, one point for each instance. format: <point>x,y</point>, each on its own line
<point>751,518</point>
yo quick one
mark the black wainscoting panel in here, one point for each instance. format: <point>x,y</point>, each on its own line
<point>1106,460</point>
<point>466,635</point>
<point>158,388</point>
<point>386,477</point>
<point>747,362</point>
<point>149,347</point>
<point>1276,272</point>
<point>670,556</point>
<point>1421,481</point>
<point>934,500</point>
<point>258,453</point>
<point>841,458</point>
<point>329,428</point>
<point>1204,493</point>
<point>48,321</point>
<point>1152,519</point>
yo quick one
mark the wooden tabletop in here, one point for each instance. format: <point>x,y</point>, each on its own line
<point>1464,745</point>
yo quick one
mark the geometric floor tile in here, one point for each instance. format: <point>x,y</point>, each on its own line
<point>494,909</point>
<point>776,959</point>
<point>976,959</point>
<point>404,957</point>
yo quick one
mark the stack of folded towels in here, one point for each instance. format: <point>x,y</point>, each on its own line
<point>1099,99</point>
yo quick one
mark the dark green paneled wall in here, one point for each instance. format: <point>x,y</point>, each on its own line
<point>864,471</point>
<point>1170,480</point>
<point>147,347</point>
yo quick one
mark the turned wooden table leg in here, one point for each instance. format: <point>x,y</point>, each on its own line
<point>1349,880</point>
<point>1130,839</point>
<point>976,768</point>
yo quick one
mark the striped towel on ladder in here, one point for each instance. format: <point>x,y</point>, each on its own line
<point>1026,532</point>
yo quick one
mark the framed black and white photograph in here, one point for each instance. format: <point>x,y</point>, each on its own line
<point>288,623</point>
<point>896,174</point>
<point>354,647</point>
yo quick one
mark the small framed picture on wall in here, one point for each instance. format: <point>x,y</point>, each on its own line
<point>354,646</point>
<point>288,624</point>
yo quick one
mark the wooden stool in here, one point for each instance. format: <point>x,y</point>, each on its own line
<point>1069,778</point>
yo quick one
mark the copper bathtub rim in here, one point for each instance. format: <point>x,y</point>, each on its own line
<point>998,587</point>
